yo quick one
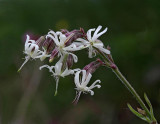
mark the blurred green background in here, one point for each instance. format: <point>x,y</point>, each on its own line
<point>133,34</point>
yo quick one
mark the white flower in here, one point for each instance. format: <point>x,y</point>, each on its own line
<point>60,41</point>
<point>32,51</point>
<point>81,84</point>
<point>59,71</point>
<point>93,41</point>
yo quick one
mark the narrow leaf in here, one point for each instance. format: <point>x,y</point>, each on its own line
<point>150,106</point>
<point>137,114</point>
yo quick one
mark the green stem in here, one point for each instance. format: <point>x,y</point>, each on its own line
<point>131,89</point>
<point>125,82</point>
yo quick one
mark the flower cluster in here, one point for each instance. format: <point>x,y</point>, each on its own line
<point>63,45</point>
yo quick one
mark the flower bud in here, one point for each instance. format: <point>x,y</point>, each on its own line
<point>69,61</point>
<point>65,31</point>
<point>53,54</point>
<point>93,66</point>
<point>83,32</point>
<point>48,45</point>
<point>72,36</point>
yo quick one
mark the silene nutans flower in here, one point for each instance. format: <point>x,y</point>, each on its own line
<point>92,42</point>
<point>81,84</point>
<point>32,49</point>
<point>60,70</point>
<point>60,41</point>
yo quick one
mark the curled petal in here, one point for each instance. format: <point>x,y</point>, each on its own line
<point>76,79</point>
<point>91,92</point>
<point>75,58</point>
<point>96,35</point>
<point>96,32</point>
<point>54,38</point>
<point>47,66</point>
<point>94,84</point>
<point>89,34</point>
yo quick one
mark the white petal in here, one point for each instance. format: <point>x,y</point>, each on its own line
<point>76,79</point>
<point>91,92</point>
<point>104,31</point>
<point>94,84</point>
<point>67,72</point>
<point>82,40</point>
<point>98,44</point>
<point>87,80</point>
<point>75,58</point>
<point>103,50</point>
<point>96,33</point>
<point>58,67</point>
<point>56,41</point>
<point>28,39</point>
<point>89,34</point>
<point>83,76</point>
<point>62,38</point>
<point>77,69</point>
<point>47,66</point>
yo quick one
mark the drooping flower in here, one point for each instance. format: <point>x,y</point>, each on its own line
<point>93,42</point>
<point>81,84</point>
<point>32,50</point>
<point>60,70</point>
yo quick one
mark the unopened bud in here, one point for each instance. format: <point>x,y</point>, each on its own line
<point>53,54</point>
<point>69,61</point>
<point>93,66</point>
<point>65,31</point>
<point>72,36</point>
<point>48,45</point>
<point>83,32</point>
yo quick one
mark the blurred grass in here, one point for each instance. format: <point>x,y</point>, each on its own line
<point>133,35</point>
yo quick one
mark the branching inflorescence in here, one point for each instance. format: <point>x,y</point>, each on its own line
<point>63,45</point>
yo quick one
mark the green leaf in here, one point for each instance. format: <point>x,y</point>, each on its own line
<point>145,118</point>
<point>150,106</point>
